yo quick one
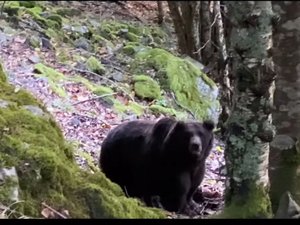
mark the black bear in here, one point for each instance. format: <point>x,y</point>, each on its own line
<point>164,159</point>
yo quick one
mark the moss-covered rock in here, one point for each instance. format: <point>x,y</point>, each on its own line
<point>168,111</point>
<point>132,37</point>
<point>34,41</point>
<point>146,87</point>
<point>56,18</point>
<point>95,65</point>
<point>192,88</point>
<point>46,169</point>
<point>131,48</point>
<point>54,78</point>
<point>130,108</point>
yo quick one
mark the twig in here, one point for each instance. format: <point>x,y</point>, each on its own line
<point>95,98</point>
<point>54,211</point>
<point>105,78</point>
<point>213,23</point>
<point>8,208</point>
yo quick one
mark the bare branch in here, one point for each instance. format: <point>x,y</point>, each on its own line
<point>54,211</point>
<point>210,28</point>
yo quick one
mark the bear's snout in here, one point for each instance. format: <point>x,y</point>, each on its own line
<point>195,145</point>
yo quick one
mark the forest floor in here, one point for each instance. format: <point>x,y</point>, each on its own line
<point>84,119</point>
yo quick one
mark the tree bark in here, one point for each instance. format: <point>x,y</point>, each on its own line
<point>249,126</point>
<point>186,20</point>
<point>160,12</point>
<point>284,156</point>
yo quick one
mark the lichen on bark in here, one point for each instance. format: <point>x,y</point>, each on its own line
<point>250,125</point>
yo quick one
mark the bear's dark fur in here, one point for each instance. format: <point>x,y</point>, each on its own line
<point>164,159</point>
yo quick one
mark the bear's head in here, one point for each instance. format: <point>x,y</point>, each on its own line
<point>177,139</point>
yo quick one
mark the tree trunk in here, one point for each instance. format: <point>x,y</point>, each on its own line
<point>160,12</point>
<point>206,32</point>
<point>223,71</point>
<point>186,19</point>
<point>249,126</point>
<point>284,157</point>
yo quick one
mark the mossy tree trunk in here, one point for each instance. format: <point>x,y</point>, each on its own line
<point>249,126</point>
<point>284,157</point>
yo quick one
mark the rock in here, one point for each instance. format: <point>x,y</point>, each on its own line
<point>287,208</point>
<point>34,59</point>
<point>3,38</point>
<point>83,43</point>
<point>193,89</point>
<point>46,43</point>
<point>282,142</point>
<point>3,104</point>
<point>35,110</point>
<point>118,76</point>
<point>9,181</point>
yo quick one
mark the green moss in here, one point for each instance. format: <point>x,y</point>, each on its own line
<point>129,50</point>
<point>256,205</point>
<point>3,77</point>
<point>131,107</point>
<point>35,13</point>
<point>17,96</point>
<point>167,111</point>
<point>56,18</point>
<point>180,77</point>
<point>127,209</point>
<point>132,37</point>
<point>35,41</point>
<point>54,78</point>
<point>94,65</point>
<point>27,4</point>
<point>101,90</point>
<point>146,87</point>
<point>35,146</point>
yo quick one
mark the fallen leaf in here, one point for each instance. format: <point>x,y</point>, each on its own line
<point>219,149</point>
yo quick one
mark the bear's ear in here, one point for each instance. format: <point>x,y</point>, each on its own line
<point>208,125</point>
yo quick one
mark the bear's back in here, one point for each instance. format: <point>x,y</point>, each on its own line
<point>123,150</point>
